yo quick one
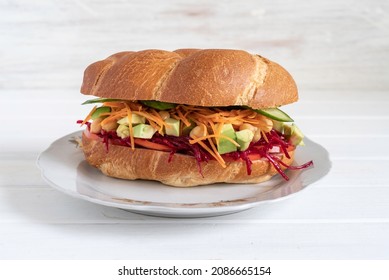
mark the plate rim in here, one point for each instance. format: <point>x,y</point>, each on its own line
<point>170,209</point>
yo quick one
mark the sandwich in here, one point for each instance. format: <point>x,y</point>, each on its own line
<point>190,117</point>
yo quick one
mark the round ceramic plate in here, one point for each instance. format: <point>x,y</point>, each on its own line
<point>63,166</point>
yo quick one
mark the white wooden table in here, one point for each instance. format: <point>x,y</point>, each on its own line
<point>339,55</point>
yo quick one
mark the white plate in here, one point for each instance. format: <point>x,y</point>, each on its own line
<point>63,166</point>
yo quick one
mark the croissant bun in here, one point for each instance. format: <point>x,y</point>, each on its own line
<point>192,77</point>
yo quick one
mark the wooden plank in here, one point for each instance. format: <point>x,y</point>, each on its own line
<point>344,216</point>
<point>344,128</point>
<point>356,148</point>
<point>357,173</point>
<point>313,205</point>
<point>329,54</point>
<point>11,170</point>
<point>322,112</point>
<point>187,241</point>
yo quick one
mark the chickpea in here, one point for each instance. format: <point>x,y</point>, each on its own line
<point>110,126</point>
<point>237,123</point>
<point>198,131</point>
<point>257,135</point>
<point>96,125</point>
<point>164,114</point>
<point>123,131</point>
<point>248,126</point>
<point>268,125</point>
<point>265,124</point>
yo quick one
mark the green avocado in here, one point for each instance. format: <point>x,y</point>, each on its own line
<point>279,126</point>
<point>274,114</point>
<point>186,129</point>
<point>224,146</point>
<point>96,114</point>
<point>172,127</point>
<point>158,104</point>
<point>101,100</point>
<point>143,131</point>
<point>294,134</point>
<point>123,131</point>
<point>135,119</point>
<point>244,138</point>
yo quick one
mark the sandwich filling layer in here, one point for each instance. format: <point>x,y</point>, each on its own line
<point>234,133</point>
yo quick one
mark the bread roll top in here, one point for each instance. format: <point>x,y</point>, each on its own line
<point>209,77</point>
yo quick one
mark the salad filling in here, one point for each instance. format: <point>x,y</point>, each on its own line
<point>223,134</point>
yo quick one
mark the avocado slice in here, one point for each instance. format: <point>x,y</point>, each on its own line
<point>274,114</point>
<point>123,131</point>
<point>172,127</point>
<point>224,146</point>
<point>279,126</point>
<point>186,129</point>
<point>244,138</point>
<point>144,131</point>
<point>135,119</point>
<point>158,104</point>
<point>294,134</point>
<point>101,100</point>
<point>96,114</point>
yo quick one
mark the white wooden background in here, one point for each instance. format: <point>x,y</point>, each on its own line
<point>338,52</point>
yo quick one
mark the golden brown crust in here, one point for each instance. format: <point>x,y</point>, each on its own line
<point>278,84</point>
<point>182,171</point>
<point>210,77</point>
<point>186,52</point>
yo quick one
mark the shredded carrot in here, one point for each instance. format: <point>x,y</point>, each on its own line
<point>88,116</point>
<point>183,118</point>
<point>158,116</point>
<point>264,136</point>
<point>115,116</point>
<point>114,104</point>
<point>218,132</point>
<point>153,118</point>
<point>220,160</point>
<point>154,125</point>
<point>151,145</point>
<point>215,150</point>
<point>129,116</point>
<point>105,114</point>
<point>212,119</point>
<point>213,136</point>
